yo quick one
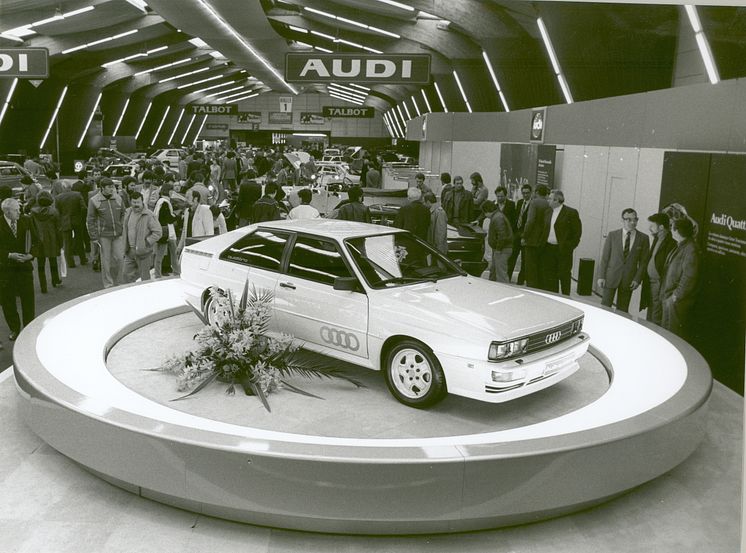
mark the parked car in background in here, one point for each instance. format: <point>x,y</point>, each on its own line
<point>168,156</point>
<point>11,174</point>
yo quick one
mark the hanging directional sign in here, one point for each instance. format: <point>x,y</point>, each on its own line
<point>357,68</point>
<point>24,63</point>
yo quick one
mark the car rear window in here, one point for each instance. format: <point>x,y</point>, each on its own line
<point>262,249</point>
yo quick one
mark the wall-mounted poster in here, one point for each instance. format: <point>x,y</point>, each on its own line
<point>280,117</point>
<point>310,118</point>
<point>531,164</point>
<point>250,117</point>
<point>538,124</point>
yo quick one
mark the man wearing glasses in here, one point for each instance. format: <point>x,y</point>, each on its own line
<point>622,262</point>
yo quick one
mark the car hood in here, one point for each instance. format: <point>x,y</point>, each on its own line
<point>465,306</point>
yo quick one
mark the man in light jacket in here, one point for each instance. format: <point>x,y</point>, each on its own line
<point>197,219</point>
<point>104,222</point>
<point>141,234</point>
<point>437,233</point>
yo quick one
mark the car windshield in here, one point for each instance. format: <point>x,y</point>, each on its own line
<point>395,259</point>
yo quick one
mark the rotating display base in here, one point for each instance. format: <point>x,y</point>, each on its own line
<point>357,462</point>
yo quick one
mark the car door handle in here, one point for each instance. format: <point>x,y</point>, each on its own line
<point>287,285</point>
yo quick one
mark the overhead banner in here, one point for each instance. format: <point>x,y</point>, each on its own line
<point>280,117</point>
<point>24,63</point>
<point>250,117</point>
<point>311,118</point>
<point>337,111</point>
<point>214,109</point>
<point>357,68</point>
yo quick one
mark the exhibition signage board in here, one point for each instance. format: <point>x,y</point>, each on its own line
<point>214,109</point>
<point>538,124</point>
<point>217,126</point>
<point>24,63</point>
<point>280,117</point>
<point>311,118</point>
<point>286,104</point>
<point>338,111</point>
<point>545,166</point>
<point>250,117</point>
<point>357,68</point>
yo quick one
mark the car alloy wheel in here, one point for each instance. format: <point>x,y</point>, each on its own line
<point>413,375</point>
<point>212,309</point>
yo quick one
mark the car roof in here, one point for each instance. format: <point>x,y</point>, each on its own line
<point>330,228</point>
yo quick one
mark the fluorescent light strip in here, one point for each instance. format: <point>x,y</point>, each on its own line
<point>703,44</point>
<point>20,32</point>
<point>60,17</point>
<point>11,37</point>
<point>133,56</point>
<point>351,22</point>
<point>372,50</point>
<point>338,41</point>
<point>234,95</point>
<point>388,127</point>
<point>345,98</point>
<point>392,124</point>
<point>246,45</point>
<point>196,136</point>
<point>182,75</point>
<point>97,42</point>
<point>461,89</point>
<point>348,91</point>
<point>54,116</point>
<point>220,92</point>
<point>345,94</point>
<point>198,42</point>
<point>401,126</point>
<point>187,85</point>
<point>144,117</point>
<point>324,35</point>
<point>427,102</point>
<point>139,4</point>
<point>246,97</point>
<point>166,66</point>
<point>555,62</point>
<point>213,87</point>
<point>361,87</point>
<point>494,80</point>
<point>189,126</point>
<point>401,114</point>
<point>298,29</point>
<point>351,89</point>
<point>397,5</point>
<point>90,118</point>
<point>326,50</point>
<point>440,97</point>
<point>160,125</point>
<point>119,122</point>
<point>416,107</point>
<point>7,98</point>
<point>176,126</point>
<point>406,109</point>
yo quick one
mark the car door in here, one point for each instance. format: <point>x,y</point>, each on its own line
<point>256,257</point>
<point>309,307</point>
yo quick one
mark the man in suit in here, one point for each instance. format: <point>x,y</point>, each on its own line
<point>458,203</point>
<point>506,206</point>
<point>17,239</point>
<point>663,244</point>
<point>72,210</point>
<point>534,235</point>
<point>679,288</point>
<point>521,210</point>
<point>563,236</point>
<point>414,216</point>
<point>623,262</point>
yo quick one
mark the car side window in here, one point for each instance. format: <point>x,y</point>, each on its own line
<point>262,249</point>
<point>317,260</point>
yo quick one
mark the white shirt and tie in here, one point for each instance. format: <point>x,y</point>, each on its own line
<point>632,234</point>
<point>552,238</point>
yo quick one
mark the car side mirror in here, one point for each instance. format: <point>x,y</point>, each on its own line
<point>349,284</point>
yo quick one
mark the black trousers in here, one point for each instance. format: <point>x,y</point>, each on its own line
<point>19,284</point>
<point>73,244</point>
<point>532,261</point>
<point>513,259</point>
<point>41,269</point>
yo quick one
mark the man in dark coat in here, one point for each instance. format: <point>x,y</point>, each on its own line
<point>249,192</point>
<point>414,216</point>
<point>663,244</point>
<point>17,240</point>
<point>564,230</point>
<point>72,211</point>
<point>534,235</point>
<point>679,288</point>
<point>266,207</point>
<point>354,209</point>
<point>521,210</point>
<point>458,203</point>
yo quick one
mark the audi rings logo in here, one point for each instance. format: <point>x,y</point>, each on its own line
<point>340,338</point>
<point>553,337</point>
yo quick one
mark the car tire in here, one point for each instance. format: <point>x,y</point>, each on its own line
<point>414,375</point>
<point>210,309</point>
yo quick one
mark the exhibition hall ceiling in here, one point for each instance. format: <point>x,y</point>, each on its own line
<point>492,54</point>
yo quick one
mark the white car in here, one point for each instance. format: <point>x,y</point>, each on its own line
<point>169,155</point>
<point>383,299</point>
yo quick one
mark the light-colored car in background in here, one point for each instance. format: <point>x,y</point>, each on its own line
<point>169,155</point>
<point>11,174</point>
<point>383,299</point>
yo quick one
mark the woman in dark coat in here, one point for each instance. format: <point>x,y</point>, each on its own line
<point>47,222</point>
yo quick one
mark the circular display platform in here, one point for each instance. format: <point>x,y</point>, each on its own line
<point>364,464</point>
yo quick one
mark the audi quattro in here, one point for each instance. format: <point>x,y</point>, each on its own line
<point>383,299</point>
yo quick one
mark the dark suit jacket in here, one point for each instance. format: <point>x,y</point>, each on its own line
<point>72,209</point>
<point>510,213</point>
<point>682,273</point>
<point>537,225</point>
<point>9,269</point>
<point>460,211</point>
<point>568,230</point>
<point>666,247</point>
<point>619,271</point>
<point>414,217</point>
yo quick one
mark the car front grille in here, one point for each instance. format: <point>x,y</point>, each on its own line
<point>552,336</point>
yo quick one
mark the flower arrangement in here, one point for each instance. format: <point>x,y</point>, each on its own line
<point>237,349</point>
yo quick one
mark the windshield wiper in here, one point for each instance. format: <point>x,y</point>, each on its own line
<point>406,280</point>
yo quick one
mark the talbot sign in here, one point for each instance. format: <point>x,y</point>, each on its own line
<point>358,68</point>
<point>336,111</point>
<point>214,109</point>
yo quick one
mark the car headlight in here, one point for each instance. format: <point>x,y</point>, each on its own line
<point>504,350</point>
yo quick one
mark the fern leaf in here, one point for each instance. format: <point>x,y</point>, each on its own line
<point>201,385</point>
<point>298,390</point>
<point>199,314</point>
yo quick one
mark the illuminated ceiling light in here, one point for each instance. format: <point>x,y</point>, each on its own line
<point>348,90</point>
<point>196,136</point>
<point>133,56</point>
<point>20,32</point>
<point>217,55</point>
<point>160,125</point>
<point>440,97</point>
<point>189,126</point>
<point>703,44</point>
<point>7,99</point>
<point>389,124</point>
<point>198,42</point>
<point>100,41</point>
<point>406,110</point>
<point>165,66</point>
<point>427,102</point>
<point>139,4</point>
<point>372,50</point>
<point>246,45</point>
<point>397,5</point>
<point>325,50</point>
<point>461,89</point>
<point>224,95</point>
<point>244,97</point>
<point>388,127</point>
<point>303,44</point>
<point>187,85</point>
<point>494,80</point>
<point>348,43</point>
<point>555,62</point>
<point>11,37</point>
<point>401,126</point>
<point>213,87</point>
<point>351,22</point>
<point>416,107</point>
<point>121,116</point>
<point>182,75</point>
<point>176,126</point>
<point>218,93</point>
<point>323,35</point>
<point>401,114</point>
<point>297,29</point>
<point>350,99</point>
<point>90,118</point>
<point>361,87</point>
<point>344,94</point>
<point>54,116</point>
<point>144,117</point>
<point>61,16</point>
